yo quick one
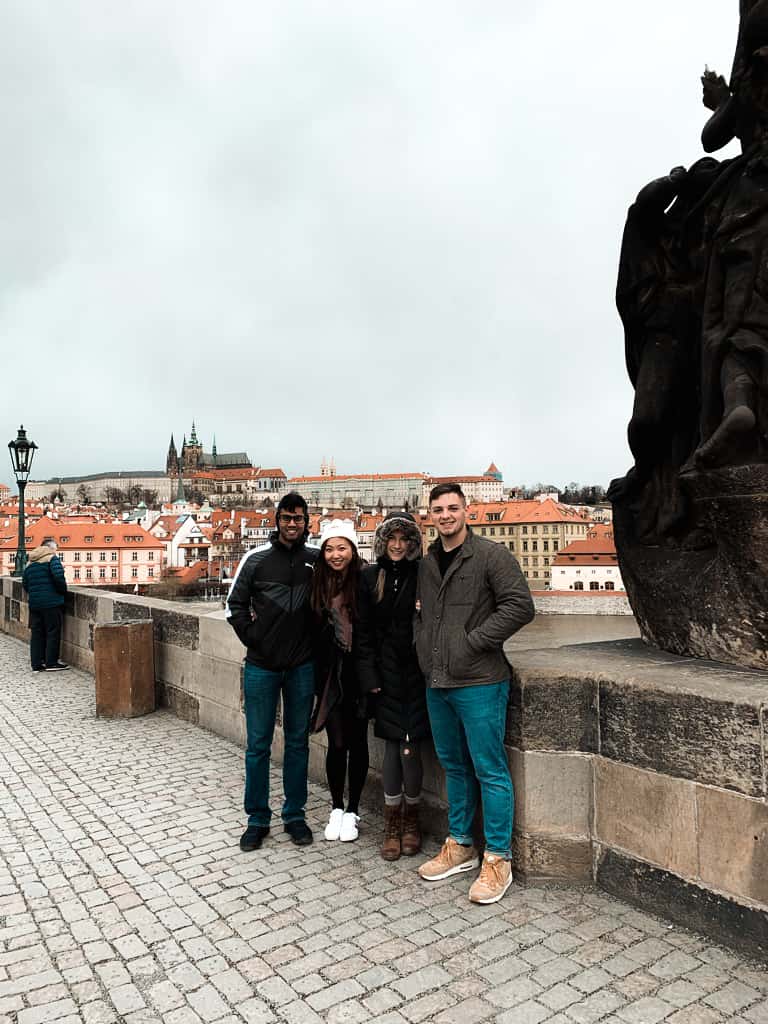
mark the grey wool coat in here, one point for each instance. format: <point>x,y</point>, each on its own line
<point>464,617</point>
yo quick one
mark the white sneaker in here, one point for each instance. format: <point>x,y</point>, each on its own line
<point>333,828</point>
<point>349,830</point>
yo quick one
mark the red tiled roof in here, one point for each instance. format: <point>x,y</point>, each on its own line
<point>547,511</point>
<point>597,547</point>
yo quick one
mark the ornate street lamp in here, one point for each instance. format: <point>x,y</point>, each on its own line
<point>22,452</point>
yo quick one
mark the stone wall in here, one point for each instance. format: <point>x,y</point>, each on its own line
<point>583,603</point>
<point>646,773</point>
<point>637,770</point>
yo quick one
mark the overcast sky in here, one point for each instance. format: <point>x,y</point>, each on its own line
<point>386,233</point>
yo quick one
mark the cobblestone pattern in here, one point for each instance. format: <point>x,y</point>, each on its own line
<point>124,897</point>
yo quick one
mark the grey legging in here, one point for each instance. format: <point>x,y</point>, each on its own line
<point>402,769</point>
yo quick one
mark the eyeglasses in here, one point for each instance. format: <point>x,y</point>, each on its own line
<point>285,518</point>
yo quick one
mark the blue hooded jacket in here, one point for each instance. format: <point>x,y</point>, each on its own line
<point>44,579</point>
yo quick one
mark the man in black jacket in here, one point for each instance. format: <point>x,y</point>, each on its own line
<point>268,607</point>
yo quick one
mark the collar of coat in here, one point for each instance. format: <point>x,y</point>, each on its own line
<point>467,548</point>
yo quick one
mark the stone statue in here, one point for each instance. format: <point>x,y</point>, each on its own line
<point>692,293</point>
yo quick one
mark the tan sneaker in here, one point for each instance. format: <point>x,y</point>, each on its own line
<point>493,881</point>
<point>452,859</point>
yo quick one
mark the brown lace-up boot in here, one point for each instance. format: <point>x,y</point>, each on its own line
<point>411,841</point>
<point>393,824</point>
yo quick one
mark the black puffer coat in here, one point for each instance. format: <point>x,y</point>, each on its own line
<point>384,652</point>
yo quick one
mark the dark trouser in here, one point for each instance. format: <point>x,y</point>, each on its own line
<point>262,689</point>
<point>347,756</point>
<point>45,642</point>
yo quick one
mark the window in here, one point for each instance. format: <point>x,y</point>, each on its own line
<point>102,573</point>
<point>555,545</point>
<point>492,530</point>
<point>113,573</point>
<point>114,556</point>
<point>482,530</point>
<point>108,540</point>
<point>594,585</point>
<point>525,545</point>
<point>546,545</point>
<point>535,546</point>
<point>578,585</point>
<point>151,572</point>
<point>525,562</point>
<point>102,556</point>
<point>545,529</point>
<point>89,574</point>
<point>77,574</point>
<point>151,556</point>
<point>502,530</point>
<point>63,539</point>
<point>134,572</point>
<point>76,556</point>
<point>534,529</point>
<point>511,545</point>
<point>546,561</point>
<point>134,556</point>
<point>89,556</point>
<point>525,529</point>
<point>609,585</point>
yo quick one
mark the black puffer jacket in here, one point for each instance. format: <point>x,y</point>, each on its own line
<point>268,604</point>
<point>384,651</point>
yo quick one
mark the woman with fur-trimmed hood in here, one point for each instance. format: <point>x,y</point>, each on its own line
<point>386,664</point>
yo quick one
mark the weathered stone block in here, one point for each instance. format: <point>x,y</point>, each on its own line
<point>123,611</point>
<point>552,712</point>
<point>176,628</point>
<point>661,892</point>
<point>124,664</point>
<point>646,814</point>
<point>537,857</point>
<point>86,606</point>
<point>553,792</point>
<point>219,640</point>
<point>733,843</point>
<point>181,703</point>
<point>717,741</point>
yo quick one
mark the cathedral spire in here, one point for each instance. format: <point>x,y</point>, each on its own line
<point>193,435</point>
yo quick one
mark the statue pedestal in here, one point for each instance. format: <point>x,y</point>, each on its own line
<point>706,597</point>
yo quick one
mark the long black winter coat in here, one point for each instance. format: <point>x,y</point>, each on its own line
<point>385,654</point>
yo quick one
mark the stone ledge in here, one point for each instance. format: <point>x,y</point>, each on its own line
<point>653,889</point>
<point>689,719</point>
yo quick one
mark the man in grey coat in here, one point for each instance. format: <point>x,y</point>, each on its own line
<point>472,596</point>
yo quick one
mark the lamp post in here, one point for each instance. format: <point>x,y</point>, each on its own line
<point>22,452</point>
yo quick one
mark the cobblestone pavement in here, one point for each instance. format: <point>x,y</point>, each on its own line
<point>124,897</point>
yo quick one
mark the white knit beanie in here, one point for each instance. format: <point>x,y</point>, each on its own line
<point>339,528</point>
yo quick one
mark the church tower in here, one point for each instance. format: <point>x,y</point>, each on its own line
<point>172,461</point>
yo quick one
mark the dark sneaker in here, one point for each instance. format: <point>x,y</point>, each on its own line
<point>299,831</point>
<point>40,668</point>
<point>59,666</point>
<point>252,838</point>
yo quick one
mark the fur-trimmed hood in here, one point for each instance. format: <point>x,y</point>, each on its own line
<point>404,522</point>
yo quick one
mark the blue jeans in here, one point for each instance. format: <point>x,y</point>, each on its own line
<point>468,725</point>
<point>262,688</point>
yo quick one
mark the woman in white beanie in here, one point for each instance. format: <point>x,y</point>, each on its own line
<point>342,705</point>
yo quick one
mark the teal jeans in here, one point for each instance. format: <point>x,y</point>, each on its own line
<point>261,690</point>
<point>468,725</point>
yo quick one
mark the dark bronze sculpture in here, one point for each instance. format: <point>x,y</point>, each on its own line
<point>691,516</point>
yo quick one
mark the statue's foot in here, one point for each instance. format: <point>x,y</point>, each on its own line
<point>716,451</point>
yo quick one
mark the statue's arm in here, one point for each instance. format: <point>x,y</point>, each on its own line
<point>720,129</point>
